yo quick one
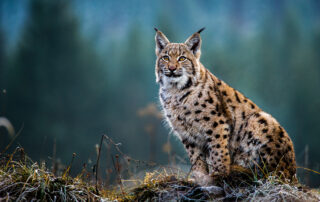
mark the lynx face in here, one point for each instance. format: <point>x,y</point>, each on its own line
<point>177,62</point>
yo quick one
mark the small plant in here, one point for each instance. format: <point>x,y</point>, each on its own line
<point>22,179</point>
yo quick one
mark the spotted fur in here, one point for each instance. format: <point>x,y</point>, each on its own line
<point>217,124</point>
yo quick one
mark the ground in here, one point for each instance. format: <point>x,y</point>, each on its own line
<point>22,179</point>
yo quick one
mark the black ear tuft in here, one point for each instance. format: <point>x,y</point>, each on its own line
<point>194,43</point>
<point>155,29</point>
<point>203,28</point>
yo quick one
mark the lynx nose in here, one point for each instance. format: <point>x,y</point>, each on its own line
<point>172,68</point>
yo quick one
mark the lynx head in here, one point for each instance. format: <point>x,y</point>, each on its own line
<point>177,63</point>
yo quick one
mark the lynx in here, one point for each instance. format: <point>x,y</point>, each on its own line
<point>218,125</point>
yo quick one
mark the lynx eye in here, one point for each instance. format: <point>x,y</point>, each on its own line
<point>182,58</point>
<point>165,58</point>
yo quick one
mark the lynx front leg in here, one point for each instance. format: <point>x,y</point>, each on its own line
<point>218,157</point>
<point>197,157</point>
<point>199,166</point>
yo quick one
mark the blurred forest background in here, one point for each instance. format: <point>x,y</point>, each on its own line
<point>71,71</point>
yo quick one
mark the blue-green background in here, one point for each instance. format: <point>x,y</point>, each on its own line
<point>71,71</point>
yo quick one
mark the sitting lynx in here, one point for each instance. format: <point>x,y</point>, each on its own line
<point>218,126</point>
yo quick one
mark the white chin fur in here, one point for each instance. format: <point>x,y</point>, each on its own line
<point>179,81</point>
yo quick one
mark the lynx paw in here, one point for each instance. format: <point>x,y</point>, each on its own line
<point>201,178</point>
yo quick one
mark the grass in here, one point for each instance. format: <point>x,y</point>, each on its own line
<point>22,179</point>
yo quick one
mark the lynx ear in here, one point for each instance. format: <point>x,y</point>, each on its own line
<point>194,43</point>
<point>161,41</point>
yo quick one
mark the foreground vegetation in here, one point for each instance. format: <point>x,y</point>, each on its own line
<point>22,179</point>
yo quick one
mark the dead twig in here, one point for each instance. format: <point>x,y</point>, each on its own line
<point>97,164</point>
<point>67,171</point>
<point>126,157</point>
<point>117,168</point>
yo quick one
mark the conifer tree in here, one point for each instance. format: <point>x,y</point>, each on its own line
<point>56,80</point>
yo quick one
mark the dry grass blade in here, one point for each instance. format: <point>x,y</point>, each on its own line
<point>4,122</point>
<point>308,169</point>
<point>12,140</point>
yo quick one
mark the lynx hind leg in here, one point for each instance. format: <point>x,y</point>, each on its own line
<point>277,155</point>
<point>264,147</point>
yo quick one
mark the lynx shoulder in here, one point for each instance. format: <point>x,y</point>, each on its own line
<point>218,125</point>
